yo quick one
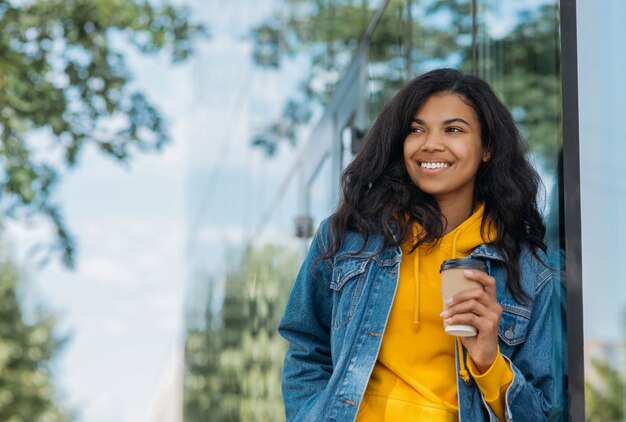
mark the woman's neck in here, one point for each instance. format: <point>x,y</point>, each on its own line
<point>454,214</point>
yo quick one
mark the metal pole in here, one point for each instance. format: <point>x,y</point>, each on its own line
<point>571,214</point>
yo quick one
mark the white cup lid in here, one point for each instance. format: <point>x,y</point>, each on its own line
<point>461,330</point>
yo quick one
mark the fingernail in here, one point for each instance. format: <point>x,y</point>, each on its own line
<point>468,272</point>
<point>447,320</point>
<point>448,301</point>
<point>443,314</point>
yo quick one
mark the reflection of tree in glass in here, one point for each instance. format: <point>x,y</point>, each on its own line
<point>202,380</point>
<point>329,32</point>
<point>400,48</point>
<point>605,398</point>
<point>64,75</point>
<point>605,387</point>
<point>605,394</point>
<point>522,65</point>
<point>233,360</point>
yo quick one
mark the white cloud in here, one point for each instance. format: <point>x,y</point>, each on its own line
<point>107,271</point>
<point>113,326</point>
<point>215,235</point>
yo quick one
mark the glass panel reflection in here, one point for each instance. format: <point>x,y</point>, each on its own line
<point>415,36</point>
<point>519,55</point>
<point>297,54</point>
<point>602,104</point>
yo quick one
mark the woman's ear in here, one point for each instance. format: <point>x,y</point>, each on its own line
<point>486,156</point>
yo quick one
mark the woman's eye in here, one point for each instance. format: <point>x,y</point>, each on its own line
<point>416,130</point>
<point>454,129</point>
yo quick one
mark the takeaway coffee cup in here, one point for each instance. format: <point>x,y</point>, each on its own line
<point>453,281</point>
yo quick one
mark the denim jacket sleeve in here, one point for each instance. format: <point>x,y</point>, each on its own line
<point>531,394</point>
<point>306,326</point>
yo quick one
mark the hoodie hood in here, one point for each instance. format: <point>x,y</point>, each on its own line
<point>458,243</point>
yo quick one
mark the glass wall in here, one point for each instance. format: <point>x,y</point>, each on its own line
<point>270,81</point>
<point>513,45</point>
<point>260,88</point>
<point>518,53</point>
<point>602,105</point>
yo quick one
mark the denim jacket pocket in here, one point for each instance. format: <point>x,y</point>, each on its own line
<point>513,324</point>
<point>349,277</point>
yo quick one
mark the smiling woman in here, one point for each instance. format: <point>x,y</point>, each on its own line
<point>443,151</point>
<point>442,174</point>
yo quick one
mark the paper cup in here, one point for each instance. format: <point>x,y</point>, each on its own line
<point>453,281</point>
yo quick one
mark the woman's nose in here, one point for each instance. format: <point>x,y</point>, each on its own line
<point>432,142</point>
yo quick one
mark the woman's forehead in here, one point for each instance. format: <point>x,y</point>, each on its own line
<point>445,106</point>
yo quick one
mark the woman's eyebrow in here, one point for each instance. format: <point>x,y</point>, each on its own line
<point>445,122</point>
<point>455,120</point>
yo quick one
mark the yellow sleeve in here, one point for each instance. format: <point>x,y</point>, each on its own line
<point>493,383</point>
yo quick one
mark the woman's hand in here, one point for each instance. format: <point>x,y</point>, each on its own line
<point>480,309</point>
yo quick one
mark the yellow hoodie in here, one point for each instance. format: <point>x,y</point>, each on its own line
<point>414,378</point>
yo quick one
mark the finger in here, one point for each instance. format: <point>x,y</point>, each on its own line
<point>488,282</point>
<point>478,294</point>
<point>473,307</point>
<point>485,325</point>
<point>478,303</point>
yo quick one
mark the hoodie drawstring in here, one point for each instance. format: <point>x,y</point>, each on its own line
<point>463,372</point>
<point>462,369</point>
<point>454,240</point>
<point>416,277</point>
<point>465,376</point>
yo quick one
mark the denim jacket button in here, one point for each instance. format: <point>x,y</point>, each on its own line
<point>509,334</point>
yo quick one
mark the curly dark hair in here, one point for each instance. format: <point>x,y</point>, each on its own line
<point>380,198</point>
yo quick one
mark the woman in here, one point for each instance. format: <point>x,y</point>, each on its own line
<point>442,174</point>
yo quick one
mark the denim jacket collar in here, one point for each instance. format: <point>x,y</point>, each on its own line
<point>489,251</point>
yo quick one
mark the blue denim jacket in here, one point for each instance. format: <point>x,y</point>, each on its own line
<point>336,316</point>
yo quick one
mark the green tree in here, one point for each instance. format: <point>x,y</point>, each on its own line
<point>606,396</point>
<point>63,75</point>
<point>605,386</point>
<point>28,347</point>
<point>241,354</point>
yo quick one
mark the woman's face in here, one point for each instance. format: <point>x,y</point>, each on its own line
<point>443,150</point>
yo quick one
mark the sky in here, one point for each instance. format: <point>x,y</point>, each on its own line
<point>602,103</point>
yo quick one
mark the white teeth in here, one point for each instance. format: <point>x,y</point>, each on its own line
<point>434,165</point>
